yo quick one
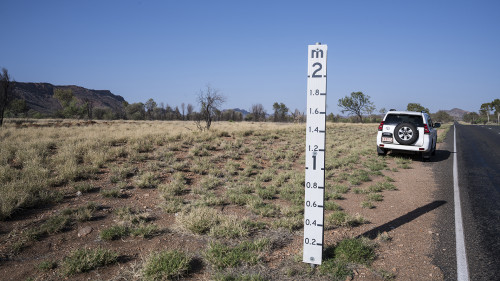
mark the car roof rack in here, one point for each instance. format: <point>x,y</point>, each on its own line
<point>392,109</point>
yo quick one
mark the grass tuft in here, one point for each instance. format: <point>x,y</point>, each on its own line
<point>85,260</point>
<point>114,232</point>
<point>340,218</point>
<point>199,220</point>
<point>222,256</point>
<point>166,265</point>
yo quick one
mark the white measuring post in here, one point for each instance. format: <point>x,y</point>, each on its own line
<point>315,154</point>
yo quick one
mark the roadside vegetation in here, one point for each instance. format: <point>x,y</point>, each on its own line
<point>220,204</point>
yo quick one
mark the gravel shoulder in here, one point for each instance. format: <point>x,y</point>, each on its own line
<point>408,216</point>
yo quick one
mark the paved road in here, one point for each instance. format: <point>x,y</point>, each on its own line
<point>478,155</point>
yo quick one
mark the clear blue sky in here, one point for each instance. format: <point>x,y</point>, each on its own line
<point>441,54</point>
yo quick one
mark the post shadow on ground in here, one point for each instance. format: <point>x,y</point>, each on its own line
<point>395,223</point>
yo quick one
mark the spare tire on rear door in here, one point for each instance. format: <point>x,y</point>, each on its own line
<point>406,133</point>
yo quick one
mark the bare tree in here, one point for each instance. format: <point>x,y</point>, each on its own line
<point>190,111</point>
<point>182,107</point>
<point>258,112</point>
<point>4,92</point>
<point>209,100</point>
<point>89,107</point>
<point>298,117</point>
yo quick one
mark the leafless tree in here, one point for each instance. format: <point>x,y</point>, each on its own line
<point>258,112</point>
<point>189,111</point>
<point>5,84</point>
<point>182,107</point>
<point>209,100</point>
<point>298,117</point>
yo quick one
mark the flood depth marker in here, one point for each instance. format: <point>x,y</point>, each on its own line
<point>315,154</point>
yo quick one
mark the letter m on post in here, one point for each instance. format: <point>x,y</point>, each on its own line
<point>317,53</point>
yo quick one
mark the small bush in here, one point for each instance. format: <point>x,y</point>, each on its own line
<point>166,265</point>
<point>267,193</point>
<point>331,206</point>
<point>238,198</point>
<point>403,163</point>
<point>259,207</point>
<point>84,187</point>
<point>340,218</point>
<point>290,223</point>
<point>340,188</point>
<point>111,193</point>
<point>358,190</point>
<point>375,197</point>
<point>222,256</point>
<point>114,232</point>
<point>347,252</point>
<point>210,182</point>
<point>338,269</point>
<point>147,180</point>
<point>199,220</point>
<point>87,259</point>
<point>231,227</point>
<point>355,250</point>
<point>211,199</point>
<point>173,205</point>
<point>47,265</point>
<point>367,205</point>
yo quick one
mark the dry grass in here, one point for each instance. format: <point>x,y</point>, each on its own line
<point>255,170</point>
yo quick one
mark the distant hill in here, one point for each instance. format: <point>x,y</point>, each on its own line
<point>456,113</point>
<point>243,112</point>
<point>40,97</point>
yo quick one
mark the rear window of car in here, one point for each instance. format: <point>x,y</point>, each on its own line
<point>393,119</point>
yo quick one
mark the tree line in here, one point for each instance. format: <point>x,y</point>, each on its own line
<point>357,105</point>
<point>488,112</point>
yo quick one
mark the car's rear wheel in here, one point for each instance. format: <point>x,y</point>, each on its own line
<point>406,133</point>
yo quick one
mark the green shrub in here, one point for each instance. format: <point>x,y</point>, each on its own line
<point>111,193</point>
<point>339,218</point>
<point>87,259</point>
<point>222,256</point>
<point>84,187</point>
<point>355,250</point>
<point>199,220</point>
<point>147,180</point>
<point>267,193</point>
<point>367,205</point>
<point>144,230</point>
<point>47,265</point>
<point>375,197</point>
<point>290,223</point>
<point>231,227</point>
<point>331,206</point>
<point>114,232</point>
<point>166,265</point>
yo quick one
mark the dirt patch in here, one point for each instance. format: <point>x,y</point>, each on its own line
<point>407,216</point>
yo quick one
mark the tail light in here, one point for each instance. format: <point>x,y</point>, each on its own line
<point>426,129</point>
<point>382,125</point>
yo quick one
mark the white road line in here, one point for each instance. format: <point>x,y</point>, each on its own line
<point>462,267</point>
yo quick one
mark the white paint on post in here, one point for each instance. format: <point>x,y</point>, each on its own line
<point>315,154</point>
<point>462,267</point>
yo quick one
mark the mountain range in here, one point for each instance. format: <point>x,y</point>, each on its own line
<point>40,97</point>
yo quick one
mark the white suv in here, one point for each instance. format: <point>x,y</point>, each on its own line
<point>407,131</point>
